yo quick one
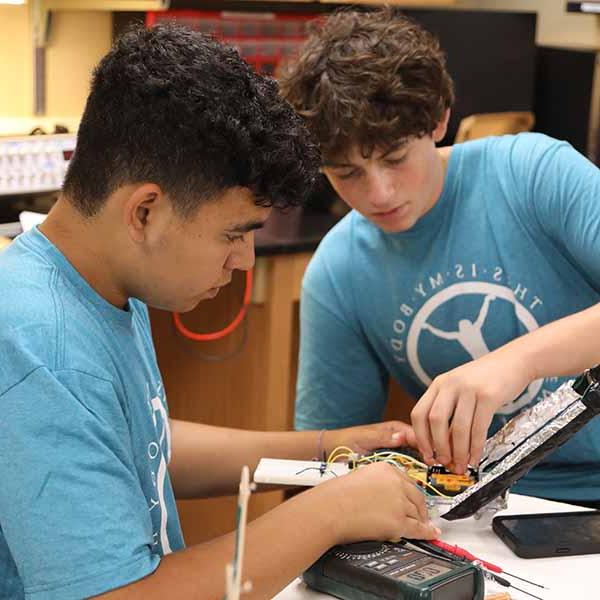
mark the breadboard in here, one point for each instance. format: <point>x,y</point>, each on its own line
<point>296,472</point>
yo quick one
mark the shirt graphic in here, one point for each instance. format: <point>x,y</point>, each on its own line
<point>468,333</point>
<point>159,453</point>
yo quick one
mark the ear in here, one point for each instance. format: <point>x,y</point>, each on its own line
<point>439,132</point>
<point>145,210</point>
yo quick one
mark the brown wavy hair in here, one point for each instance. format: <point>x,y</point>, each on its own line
<point>368,78</point>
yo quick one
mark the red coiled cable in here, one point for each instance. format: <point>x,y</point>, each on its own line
<point>217,335</point>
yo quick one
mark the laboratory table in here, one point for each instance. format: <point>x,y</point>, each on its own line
<point>566,577</point>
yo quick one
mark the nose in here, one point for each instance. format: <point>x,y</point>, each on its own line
<point>380,190</point>
<point>242,257</point>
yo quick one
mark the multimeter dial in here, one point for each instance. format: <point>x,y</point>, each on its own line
<point>360,550</point>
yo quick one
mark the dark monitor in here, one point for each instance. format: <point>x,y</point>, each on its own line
<point>491,57</point>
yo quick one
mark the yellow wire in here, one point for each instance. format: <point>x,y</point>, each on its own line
<point>396,458</point>
<point>428,485</point>
<point>335,453</point>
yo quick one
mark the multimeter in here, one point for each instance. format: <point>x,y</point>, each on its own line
<point>391,571</point>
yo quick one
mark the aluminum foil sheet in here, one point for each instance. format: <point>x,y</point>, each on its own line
<point>437,507</point>
<point>527,422</point>
<point>526,439</point>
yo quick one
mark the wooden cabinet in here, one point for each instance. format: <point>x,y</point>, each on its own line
<point>252,389</point>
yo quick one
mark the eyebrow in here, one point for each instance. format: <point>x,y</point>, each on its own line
<point>341,165</point>
<point>334,165</point>
<point>399,146</point>
<point>246,227</point>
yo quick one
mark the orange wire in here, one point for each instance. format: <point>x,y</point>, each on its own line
<point>217,335</point>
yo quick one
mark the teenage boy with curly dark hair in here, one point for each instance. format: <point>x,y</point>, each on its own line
<point>181,153</point>
<point>447,254</point>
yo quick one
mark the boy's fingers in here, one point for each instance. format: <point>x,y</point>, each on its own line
<point>418,530</point>
<point>420,422</point>
<point>439,423</point>
<point>462,422</point>
<point>481,422</point>
<point>416,499</point>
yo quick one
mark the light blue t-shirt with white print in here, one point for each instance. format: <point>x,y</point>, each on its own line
<point>86,503</point>
<point>513,243</point>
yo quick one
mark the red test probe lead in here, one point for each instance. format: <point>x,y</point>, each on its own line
<point>466,555</point>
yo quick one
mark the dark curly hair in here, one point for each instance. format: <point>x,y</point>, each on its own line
<point>179,109</point>
<point>368,78</point>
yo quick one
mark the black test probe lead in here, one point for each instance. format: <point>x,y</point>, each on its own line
<point>505,583</point>
<point>445,551</point>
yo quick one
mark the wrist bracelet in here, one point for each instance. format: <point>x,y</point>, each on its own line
<point>320,449</point>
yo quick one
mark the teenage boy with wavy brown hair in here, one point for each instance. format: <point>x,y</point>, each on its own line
<point>447,254</point>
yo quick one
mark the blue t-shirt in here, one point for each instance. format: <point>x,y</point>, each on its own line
<point>86,503</point>
<point>513,243</point>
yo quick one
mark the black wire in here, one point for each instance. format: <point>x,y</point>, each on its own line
<point>507,584</point>
<point>322,471</point>
<point>423,545</point>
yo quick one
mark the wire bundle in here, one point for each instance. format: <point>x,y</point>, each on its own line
<point>414,468</point>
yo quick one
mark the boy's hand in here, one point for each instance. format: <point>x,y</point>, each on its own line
<point>452,418</point>
<point>364,438</point>
<point>376,502</point>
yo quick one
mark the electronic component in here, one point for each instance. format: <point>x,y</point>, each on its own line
<point>435,481</point>
<point>386,570</point>
<point>448,483</point>
<point>438,484</point>
<point>297,472</point>
<point>528,438</point>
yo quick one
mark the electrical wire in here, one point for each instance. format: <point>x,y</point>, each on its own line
<point>217,335</point>
<point>414,468</point>
<point>490,571</point>
<point>466,555</point>
<point>507,584</point>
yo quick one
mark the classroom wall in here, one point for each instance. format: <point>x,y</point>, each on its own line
<point>79,38</point>
<point>555,26</point>
<point>16,85</point>
<point>77,41</point>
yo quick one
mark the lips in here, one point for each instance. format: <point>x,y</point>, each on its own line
<point>386,213</point>
<point>390,212</point>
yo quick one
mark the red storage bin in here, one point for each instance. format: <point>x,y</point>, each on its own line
<point>263,38</point>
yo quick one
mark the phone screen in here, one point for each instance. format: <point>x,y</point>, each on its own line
<point>540,529</point>
<point>575,532</point>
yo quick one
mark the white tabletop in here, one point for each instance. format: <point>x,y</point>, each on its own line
<point>566,577</point>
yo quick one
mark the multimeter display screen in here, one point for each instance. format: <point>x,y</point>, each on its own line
<point>424,573</point>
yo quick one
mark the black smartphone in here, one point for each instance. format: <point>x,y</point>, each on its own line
<point>550,534</point>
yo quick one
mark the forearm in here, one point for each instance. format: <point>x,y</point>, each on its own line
<point>564,347</point>
<point>207,461</point>
<point>279,546</point>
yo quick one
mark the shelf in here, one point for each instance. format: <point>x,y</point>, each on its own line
<point>399,3</point>
<point>584,7</point>
<point>316,6</point>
